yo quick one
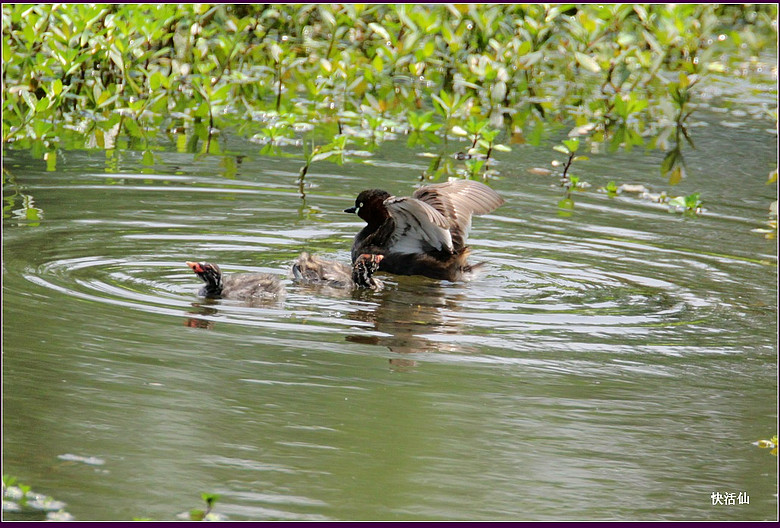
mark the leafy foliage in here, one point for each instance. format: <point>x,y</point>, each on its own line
<point>20,498</point>
<point>116,75</point>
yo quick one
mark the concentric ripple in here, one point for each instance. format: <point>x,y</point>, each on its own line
<point>528,288</point>
<point>549,283</point>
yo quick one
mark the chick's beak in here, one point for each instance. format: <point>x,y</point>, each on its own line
<point>195,266</point>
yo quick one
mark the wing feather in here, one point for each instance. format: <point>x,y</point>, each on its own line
<point>417,224</point>
<point>457,201</point>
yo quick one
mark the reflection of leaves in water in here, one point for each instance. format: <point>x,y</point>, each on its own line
<point>28,212</point>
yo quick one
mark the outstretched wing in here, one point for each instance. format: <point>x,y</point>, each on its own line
<point>418,226</point>
<point>456,201</point>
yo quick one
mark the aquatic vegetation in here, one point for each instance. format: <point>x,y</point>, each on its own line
<point>117,76</point>
<point>207,514</point>
<point>768,444</point>
<point>22,500</point>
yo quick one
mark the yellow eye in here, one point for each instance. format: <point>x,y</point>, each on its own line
<point>361,204</point>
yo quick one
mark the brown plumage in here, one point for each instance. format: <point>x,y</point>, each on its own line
<point>242,286</point>
<point>312,269</point>
<point>424,234</point>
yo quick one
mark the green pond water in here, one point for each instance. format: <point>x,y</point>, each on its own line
<point>616,362</point>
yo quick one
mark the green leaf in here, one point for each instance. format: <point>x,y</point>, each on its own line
<point>276,52</point>
<point>41,128</point>
<point>376,28</point>
<point>692,201</point>
<point>670,160</point>
<point>377,63</point>
<point>587,62</point>
<point>222,93</point>
<point>30,99</point>
<point>155,81</point>
<point>7,53</point>
<point>537,134</point>
<point>323,155</point>
<point>429,48</point>
<point>684,80</point>
<point>561,148</point>
<point>677,175</point>
<point>42,105</point>
<point>566,203</point>
<point>524,48</point>
<point>132,128</point>
<point>51,161</point>
<point>327,15</point>
<point>490,135</point>
<point>572,144</point>
<point>209,498</point>
<point>116,57</point>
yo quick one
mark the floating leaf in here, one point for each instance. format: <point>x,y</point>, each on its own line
<point>566,204</point>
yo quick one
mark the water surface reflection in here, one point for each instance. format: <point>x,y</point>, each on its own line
<point>616,363</point>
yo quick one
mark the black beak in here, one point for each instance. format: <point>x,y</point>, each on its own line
<point>351,210</point>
